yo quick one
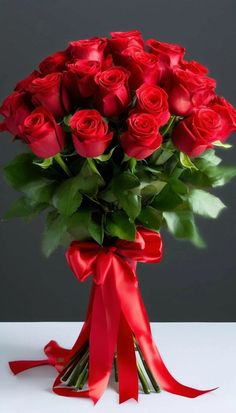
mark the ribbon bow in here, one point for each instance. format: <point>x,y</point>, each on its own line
<point>115,314</point>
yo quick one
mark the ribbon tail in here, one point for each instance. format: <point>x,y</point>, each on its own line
<point>136,316</point>
<point>22,365</point>
<point>127,366</point>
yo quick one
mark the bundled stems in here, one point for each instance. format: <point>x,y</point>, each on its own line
<point>76,371</point>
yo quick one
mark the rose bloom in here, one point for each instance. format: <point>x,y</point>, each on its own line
<point>143,67</point>
<point>56,62</point>
<point>24,83</point>
<point>113,92</point>
<point>122,40</point>
<point>142,137</point>
<point>169,54</point>
<point>198,131</point>
<point>48,92</point>
<point>228,116</point>
<point>90,49</point>
<point>83,72</point>
<point>188,91</point>
<point>194,66</point>
<point>90,133</point>
<point>153,99</point>
<point>42,134</point>
<point>15,108</point>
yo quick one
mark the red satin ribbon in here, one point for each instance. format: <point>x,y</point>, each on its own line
<point>116,312</point>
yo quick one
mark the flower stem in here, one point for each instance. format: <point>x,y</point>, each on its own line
<point>143,380</point>
<point>149,373</point>
<point>62,164</point>
<point>115,368</point>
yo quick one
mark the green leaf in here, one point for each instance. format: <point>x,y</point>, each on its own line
<point>119,225</point>
<point>222,145</point>
<point>45,164</point>
<point>55,229</point>
<point>186,161</point>
<point>150,218</point>
<point>207,157</point>
<point>95,228</point>
<point>22,208</point>
<point>88,181</point>
<point>130,202</point>
<point>181,224</point>
<point>105,157</point>
<point>124,181</point>
<point>221,175</point>
<point>78,225</point>
<point>123,187</point>
<point>205,204</point>
<point>21,170</point>
<point>167,200</point>
<point>149,191</point>
<point>67,199</point>
<point>40,190</point>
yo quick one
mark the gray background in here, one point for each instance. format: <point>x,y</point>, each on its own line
<point>189,284</point>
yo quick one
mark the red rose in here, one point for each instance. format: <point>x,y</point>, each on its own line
<point>84,72</point>
<point>42,134</point>
<point>24,83</point>
<point>188,90</point>
<point>153,99</point>
<point>169,54</point>
<point>15,108</point>
<point>228,116</point>
<point>122,40</point>
<point>90,133</point>
<point>54,63</point>
<point>142,137</point>
<point>143,67</point>
<point>194,66</point>
<point>196,133</point>
<point>89,49</point>
<point>48,92</point>
<point>113,94</point>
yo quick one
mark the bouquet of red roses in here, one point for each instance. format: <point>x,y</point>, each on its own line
<point>120,137</point>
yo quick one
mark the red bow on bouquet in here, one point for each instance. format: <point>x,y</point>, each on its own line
<point>116,314</point>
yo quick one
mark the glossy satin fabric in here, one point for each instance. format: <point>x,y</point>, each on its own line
<point>116,312</point>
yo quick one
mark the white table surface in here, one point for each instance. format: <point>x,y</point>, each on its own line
<point>198,354</point>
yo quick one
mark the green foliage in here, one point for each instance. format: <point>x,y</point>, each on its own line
<point>119,225</point>
<point>105,198</point>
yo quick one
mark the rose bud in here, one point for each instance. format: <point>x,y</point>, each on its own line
<point>42,134</point>
<point>90,133</point>
<point>48,92</point>
<point>142,137</point>
<point>143,67</point>
<point>153,99</point>
<point>54,63</point>
<point>84,72</point>
<point>89,49</point>
<point>113,93</point>
<point>198,131</point>
<point>24,83</point>
<point>188,91</point>
<point>15,108</point>
<point>228,116</point>
<point>122,40</point>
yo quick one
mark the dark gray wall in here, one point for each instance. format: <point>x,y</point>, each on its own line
<point>190,284</point>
